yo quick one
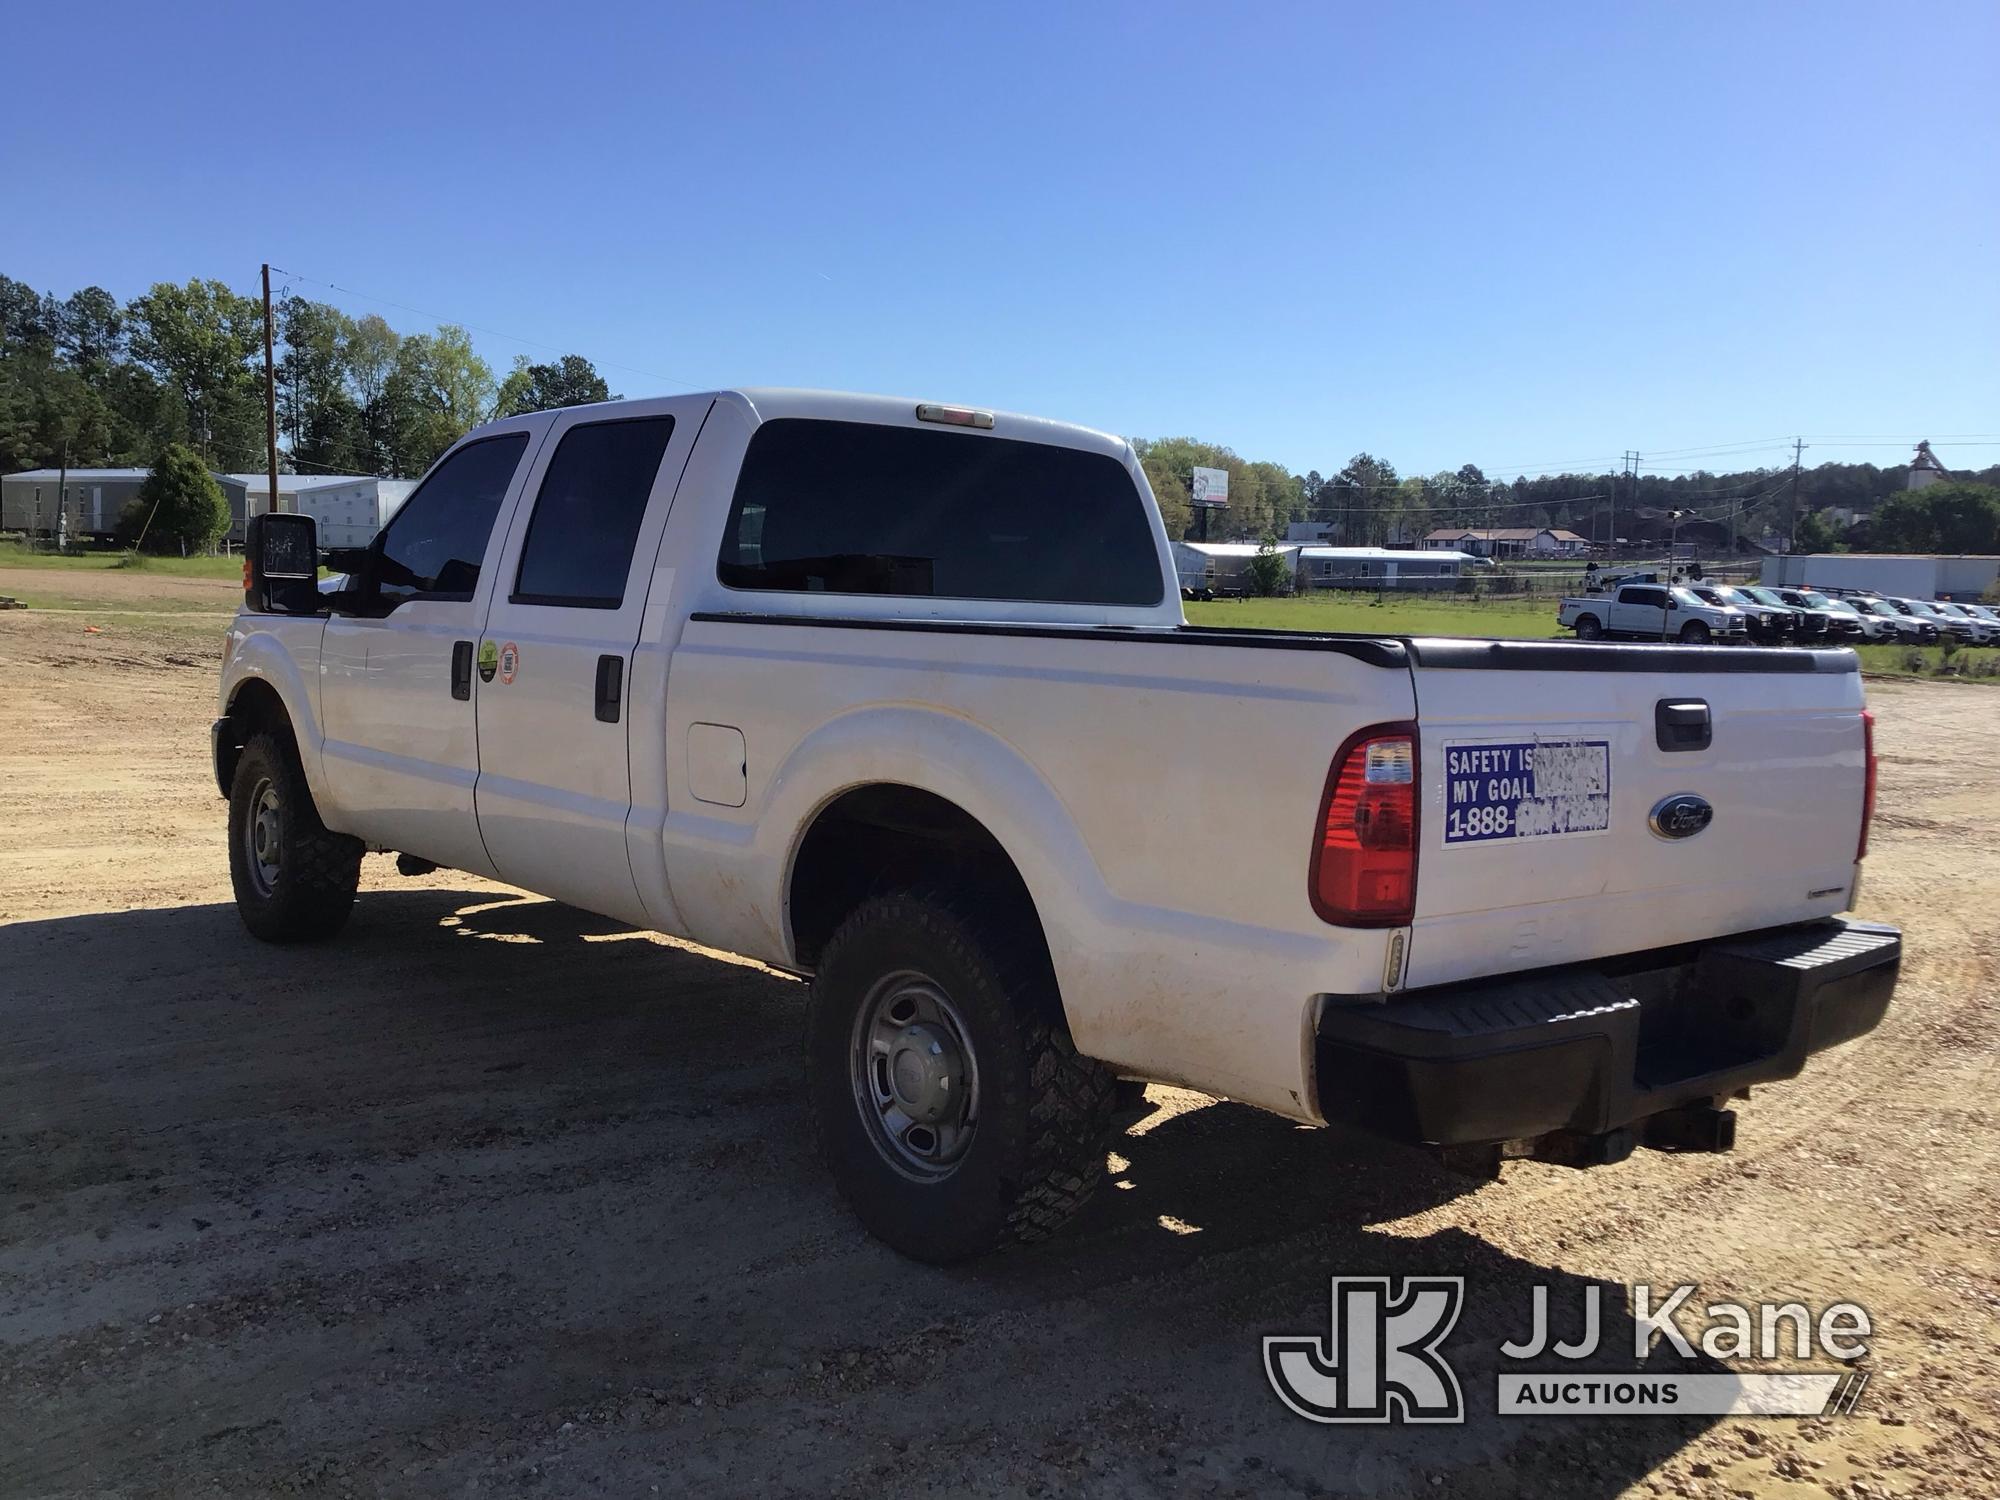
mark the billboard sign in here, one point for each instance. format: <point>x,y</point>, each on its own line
<point>1210,488</point>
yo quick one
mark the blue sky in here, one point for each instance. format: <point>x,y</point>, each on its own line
<point>1522,236</point>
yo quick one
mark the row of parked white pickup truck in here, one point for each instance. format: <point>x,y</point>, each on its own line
<point>1640,607</point>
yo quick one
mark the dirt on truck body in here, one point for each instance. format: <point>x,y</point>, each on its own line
<point>508,1199</point>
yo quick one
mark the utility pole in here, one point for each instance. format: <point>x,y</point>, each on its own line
<point>1630,474</point>
<point>270,408</point>
<point>1792,518</point>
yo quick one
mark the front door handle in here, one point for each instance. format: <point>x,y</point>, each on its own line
<point>461,669</point>
<point>610,688</point>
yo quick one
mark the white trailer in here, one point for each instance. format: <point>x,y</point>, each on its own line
<point>350,511</point>
<point>1901,575</point>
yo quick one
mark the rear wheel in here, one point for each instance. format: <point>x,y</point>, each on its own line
<point>951,1107</point>
<point>294,878</point>
<point>1589,628</point>
<point>1694,633</point>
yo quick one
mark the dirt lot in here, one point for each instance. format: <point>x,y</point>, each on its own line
<point>491,1196</point>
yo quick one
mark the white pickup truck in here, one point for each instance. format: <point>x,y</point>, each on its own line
<point>900,696</point>
<point>1652,612</point>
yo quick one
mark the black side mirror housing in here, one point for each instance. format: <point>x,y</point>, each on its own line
<point>281,565</point>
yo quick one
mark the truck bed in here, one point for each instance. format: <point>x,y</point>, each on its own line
<point>1159,789</point>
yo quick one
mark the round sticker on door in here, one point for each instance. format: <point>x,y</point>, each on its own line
<point>510,661</point>
<point>489,660</point>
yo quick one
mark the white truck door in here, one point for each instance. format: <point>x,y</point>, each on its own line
<point>554,779</point>
<point>401,750</point>
<point>1641,610</point>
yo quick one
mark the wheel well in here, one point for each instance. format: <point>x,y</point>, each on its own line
<point>255,709</point>
<point>889,837</point>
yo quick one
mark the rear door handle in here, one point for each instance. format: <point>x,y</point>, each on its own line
<point>610,688</point>
<point>461,669</point>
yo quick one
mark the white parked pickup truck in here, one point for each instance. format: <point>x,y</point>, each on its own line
<point>1652,612</point>
<point>900,696</point>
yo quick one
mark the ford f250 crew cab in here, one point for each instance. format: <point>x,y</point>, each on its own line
<point>1652,612</point>
<point>900,697</point>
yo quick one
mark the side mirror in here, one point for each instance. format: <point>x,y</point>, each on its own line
<point>281,565</point>
<point>1672,602</point>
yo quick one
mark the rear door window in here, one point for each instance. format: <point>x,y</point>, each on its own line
<point>859,508</point>
<point>578,550</point>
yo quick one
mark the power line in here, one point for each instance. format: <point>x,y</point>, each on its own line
<point>512,338</point>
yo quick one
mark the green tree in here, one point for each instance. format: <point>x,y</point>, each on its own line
<point>1171,495</point>
<point>371,359</point>
<point>180,504</point>
<point>1363,500</point>
<point>1952,517</point>
<point>1269,573</point>
<point>1815,535</point>
<point>316,409</point>
<point>199,339</point>
<point>571,381</point>
<point>436,392</point>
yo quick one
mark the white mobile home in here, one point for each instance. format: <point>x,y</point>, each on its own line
<point>1383,568</point>
<point>1223,567</point>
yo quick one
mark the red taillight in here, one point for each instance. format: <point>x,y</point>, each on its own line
<point>1364,861</point>
<point>1868,786</point>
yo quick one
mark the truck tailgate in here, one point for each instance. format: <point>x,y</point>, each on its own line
<point>1543,766</point>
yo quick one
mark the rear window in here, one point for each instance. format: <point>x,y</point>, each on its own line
<point>856,508</point>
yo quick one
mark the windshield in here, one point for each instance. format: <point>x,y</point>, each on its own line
<point>1842,606</point>
<point>1713,596</point>
<point>1918,607</point>
<point>1818,601</point>
<point>1763,596</point>
<point>1878,607</point>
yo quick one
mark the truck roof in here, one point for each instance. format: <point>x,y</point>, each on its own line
<point>765,403</point>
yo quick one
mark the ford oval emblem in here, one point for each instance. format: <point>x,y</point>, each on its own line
<point>1680,816</point>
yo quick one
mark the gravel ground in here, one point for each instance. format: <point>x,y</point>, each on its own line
<point>491,1196</point>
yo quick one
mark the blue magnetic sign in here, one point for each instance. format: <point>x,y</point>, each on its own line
<point>1526,789</point>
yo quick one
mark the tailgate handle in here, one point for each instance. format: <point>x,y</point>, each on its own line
<point>1681,724</point>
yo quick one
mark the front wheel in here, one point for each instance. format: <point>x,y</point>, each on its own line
<point>295,879</point>
<point>950,1105</point>
<point>1694,633</point>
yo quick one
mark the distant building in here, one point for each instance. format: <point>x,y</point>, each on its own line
<point>1223,566</point>
<point>350,508</point>
<point>1507,541</point>
<point>1924,468</point>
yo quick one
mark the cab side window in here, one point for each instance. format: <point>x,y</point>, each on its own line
<point>433,547</point>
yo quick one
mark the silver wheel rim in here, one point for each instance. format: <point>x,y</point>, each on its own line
<point>263,837</point>
<point>916,1081</point>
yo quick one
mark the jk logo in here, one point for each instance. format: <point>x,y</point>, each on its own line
<point>1379,1360</point>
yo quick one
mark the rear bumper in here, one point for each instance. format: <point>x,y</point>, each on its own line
<point>1585,1051</point>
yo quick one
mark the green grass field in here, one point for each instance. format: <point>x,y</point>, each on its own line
<point>1392,614</point>
<point>14,555</point>
<point>1513,619</point>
